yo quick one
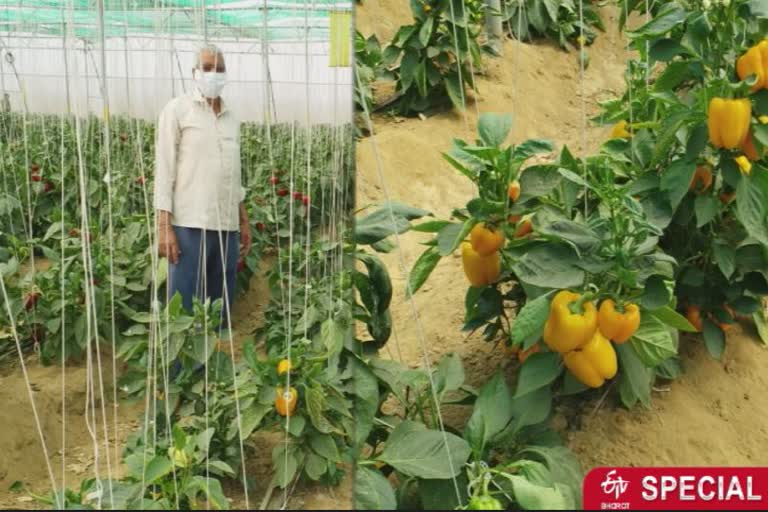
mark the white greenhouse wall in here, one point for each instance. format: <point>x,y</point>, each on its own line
<point>160,67</point>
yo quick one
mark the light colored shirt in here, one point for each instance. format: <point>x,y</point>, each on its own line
<point>197,164</point>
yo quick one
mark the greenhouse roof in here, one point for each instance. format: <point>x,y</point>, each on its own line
<point>240,19</point>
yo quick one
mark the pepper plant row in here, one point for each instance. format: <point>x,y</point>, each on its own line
<point>591,267</point>
<point>195,435</point>
<point>434,60</point>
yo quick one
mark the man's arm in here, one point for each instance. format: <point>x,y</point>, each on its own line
<point>167,139</point>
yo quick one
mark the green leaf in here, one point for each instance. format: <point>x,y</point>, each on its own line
<point>530,147</point>
<point>425,33</point>
<point>54,228</point>
<point>366,404</point>
<point>658,210</point>
<point>332,333</point>
<point>450,237</point>
<point>714,339</point>
<point>752,204</point>
<point>408,66</point>
<point>373,491</point>
<point>706,208</point>
<point>492,412</point>
<point>673,319</point>
<point>415,451</point>
<point>391,218</point>
<point>664,50</point>
<point>325,446</point>
<point>441,494</point>
<point>563,465</point>
<point>530,320</point>
<point>673,75</point>
<point>725,257</point>
<point>745,305</point>
<point>315,466</point>
<point>285,467</point>
<point>315,407</point>
<point>378,276</point>
<point>667,135</point>
<point>656,293</point>
<point>536,497</point>
<point>156,469</point>
<point>539,370</point>
<point>432,226</point>
<point>449,375</point>
<point>653,342</point>
<point>676,179</point>
<point>421,79</point>
<point>455,90</point>
<point>758,8</point>
<point>761,322</point>
<point>221,468</point>
<point>209,487</point>
<point>538,181</point>
<point>670,369</point>
<point>532,408</point>
<point>697,141</point>
<point>550,266</point>
<point>635,378</point>
<point>668,17</point>
<point>577,234</point>
<point>422,269</point>
<point>494,128</point>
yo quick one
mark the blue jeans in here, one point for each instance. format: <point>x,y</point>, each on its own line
<point>201,270</point>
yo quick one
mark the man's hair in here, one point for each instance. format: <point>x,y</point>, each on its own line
<point>208,48</point>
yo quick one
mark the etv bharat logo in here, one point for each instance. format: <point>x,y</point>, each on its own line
<point>617,486</point>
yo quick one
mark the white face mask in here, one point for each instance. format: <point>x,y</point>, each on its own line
<point>210,83</point>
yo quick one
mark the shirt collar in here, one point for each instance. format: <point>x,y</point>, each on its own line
<point>198,97</point>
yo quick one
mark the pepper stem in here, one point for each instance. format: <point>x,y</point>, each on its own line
<point>577,307</point>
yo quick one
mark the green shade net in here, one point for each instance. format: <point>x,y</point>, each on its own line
<point>241,19</point>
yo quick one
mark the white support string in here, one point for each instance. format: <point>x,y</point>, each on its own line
<point>62,284</point>
<point>111,236</point>
<point>583,90</point>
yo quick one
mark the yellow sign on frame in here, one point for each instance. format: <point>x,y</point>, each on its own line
<point>341,38</point>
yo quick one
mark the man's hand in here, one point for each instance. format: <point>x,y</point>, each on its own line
<point>245,239</point>
<point>167,244</point>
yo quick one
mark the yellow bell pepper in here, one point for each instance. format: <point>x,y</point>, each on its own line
<point>728,122</point>
<point>566,330</point>
<point>285,401</point>
<point>513,191</point>
<point>754,62</point>
<point>485,241</point>
<point>594,362</point>
<point>480,270</point>
<point>615,325</point>
<point>744,165</point>
<point>283,367</point>
<point>619,131</point>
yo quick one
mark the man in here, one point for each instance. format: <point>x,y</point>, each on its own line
<point>202,221</point>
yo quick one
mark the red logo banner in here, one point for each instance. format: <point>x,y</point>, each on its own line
<point>676,488</point>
